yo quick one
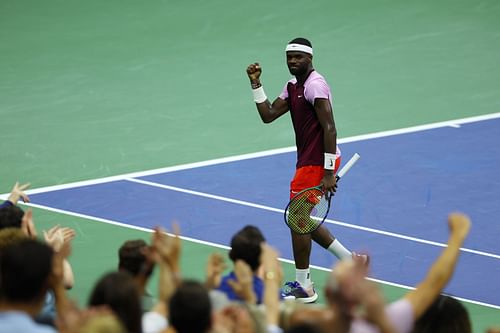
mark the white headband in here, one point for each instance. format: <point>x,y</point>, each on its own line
<point>300,48</point>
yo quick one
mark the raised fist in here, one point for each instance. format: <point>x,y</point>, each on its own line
<point>254,71</point>
<point>459,224</point>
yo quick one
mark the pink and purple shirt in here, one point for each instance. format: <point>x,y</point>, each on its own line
<point>308,129</point>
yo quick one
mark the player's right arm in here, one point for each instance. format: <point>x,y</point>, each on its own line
<point>268,112</point>
<point>442,269</point>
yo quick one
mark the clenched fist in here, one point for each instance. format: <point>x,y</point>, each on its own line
<point>254,71</point>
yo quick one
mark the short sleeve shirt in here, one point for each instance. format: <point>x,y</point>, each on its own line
<point>309,136</point>
<point>314,87</point>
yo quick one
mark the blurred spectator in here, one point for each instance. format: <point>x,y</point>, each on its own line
<point>132,259</point>
<point>16,194</point>
<point>119,291</point>
<point>245,247</point>
<point>25,271</point>
<point>190,308</point>
<point>346,291</point>
<point>445,315</point>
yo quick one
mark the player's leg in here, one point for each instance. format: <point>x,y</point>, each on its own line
<point>301,245</point>
<point>325,239</point>
<point>323,236</point>
<point>302,288</point>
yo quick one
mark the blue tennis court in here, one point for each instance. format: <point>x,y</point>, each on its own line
<point>393,204</point>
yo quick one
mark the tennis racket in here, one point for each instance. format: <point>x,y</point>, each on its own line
<point>307,210</point>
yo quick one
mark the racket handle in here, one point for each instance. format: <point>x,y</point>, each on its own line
<point>348,165</point>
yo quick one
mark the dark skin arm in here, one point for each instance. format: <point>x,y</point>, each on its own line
<point>324,112</point>
<point>268,112</point>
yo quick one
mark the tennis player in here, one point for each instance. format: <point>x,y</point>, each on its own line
<point>308,98</point>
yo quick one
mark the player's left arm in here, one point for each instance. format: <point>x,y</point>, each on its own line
<point>324,112</point>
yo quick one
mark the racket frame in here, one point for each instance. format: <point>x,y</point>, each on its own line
<point>328,198</point>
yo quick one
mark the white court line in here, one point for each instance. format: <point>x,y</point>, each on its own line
<point>281,211</point>
<point>129,176</point>
<point>194,240</point>
<point>450,123</point>
<point>398,285</point>
<point>235,158</point>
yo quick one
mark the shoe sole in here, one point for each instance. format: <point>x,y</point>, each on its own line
<point>307,300</point>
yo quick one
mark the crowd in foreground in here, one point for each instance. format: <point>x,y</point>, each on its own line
<point>35,275</point>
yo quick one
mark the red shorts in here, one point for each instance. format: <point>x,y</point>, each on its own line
<point>308,176</point>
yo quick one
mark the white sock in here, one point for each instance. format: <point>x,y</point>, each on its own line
<point>339,250</point>
<point>303,276</point>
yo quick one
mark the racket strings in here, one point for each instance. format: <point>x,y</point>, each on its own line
<point>307,211</point>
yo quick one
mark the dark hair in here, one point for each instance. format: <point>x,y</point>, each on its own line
<point>132,259</point>
<point>305,328</point>
<point>190,308</point>
<point>301,41</point>
<point>119,291</point>
<point>11,217</point>
<point>245,245</point>
<point>445,315</point>
<point>24,271</point>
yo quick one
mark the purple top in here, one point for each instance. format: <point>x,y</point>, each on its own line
<point>308,130</point>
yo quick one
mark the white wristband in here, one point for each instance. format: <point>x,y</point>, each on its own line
<point>259,96</point>
<point>330,161</point>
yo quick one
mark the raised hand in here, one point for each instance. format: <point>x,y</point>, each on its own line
<point>273,275</point>
<point>214,270</point>
<point>57,236</point>
<point>17,193</point>
<point>167,248</point>
<point>243,286</point>
<point>27,225</point>
<point>459,225</point>
<point>254,71</point>
<point>269,261</point>
<point>54,238</point>
<point>233,318</point>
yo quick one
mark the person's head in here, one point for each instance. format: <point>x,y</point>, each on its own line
<point>246,246</point>
<point>299,54</point>
<point>25,268</point>
<point>190,308</point>
<point>11,217</point>
<point>10,236</point>
<point>310,319</point>
<point>344,285</point>
<point>446,314</point>
<point>247,319</point>
<point>132,259</point>
<point>305,328</point>
<point>119,291</point>
<point>101,323</point>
